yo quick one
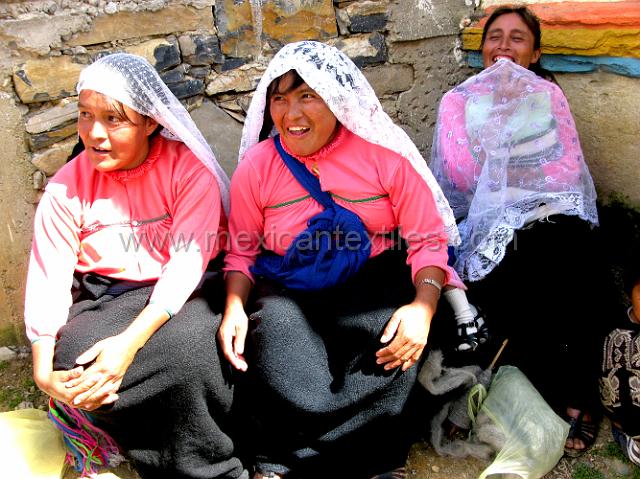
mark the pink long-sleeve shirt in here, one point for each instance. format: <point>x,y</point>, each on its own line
<point>269,208</point>
<point>160,221</point>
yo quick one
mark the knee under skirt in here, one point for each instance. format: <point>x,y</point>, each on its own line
<point>173,415</point>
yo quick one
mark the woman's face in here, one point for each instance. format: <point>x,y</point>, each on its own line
<point>111,141</point>
<point>509,37</point>
<point>302,118</point>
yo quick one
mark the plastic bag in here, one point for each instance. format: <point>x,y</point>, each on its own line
<point>517,421</point>
<point>30,446</point>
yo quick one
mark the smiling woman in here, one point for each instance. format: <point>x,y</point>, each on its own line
<point>513,36</point>
<point>102,315</point>
<point>303,118</point>
<point>507,153</point>
<point>339,322</point>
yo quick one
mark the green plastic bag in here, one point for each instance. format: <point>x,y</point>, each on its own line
<point>516,421</point>
<point>30,446</point>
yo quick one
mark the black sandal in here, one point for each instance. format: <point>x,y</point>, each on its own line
<point>583,430</point>
<point>472,333</point>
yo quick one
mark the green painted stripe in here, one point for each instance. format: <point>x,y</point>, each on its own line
<point>287,203</point>
<point>297,200</point>
<point>363,200</point>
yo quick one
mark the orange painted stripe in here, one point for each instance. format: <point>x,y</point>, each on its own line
<point>583,14</point>
<point>577,28</point>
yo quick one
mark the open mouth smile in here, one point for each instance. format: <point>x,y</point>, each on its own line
<point>297,130</point>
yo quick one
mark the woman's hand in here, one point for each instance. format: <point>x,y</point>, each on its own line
<point>409,327</point>
<point>111,358</point>
<point>56,384</point>
<point>100,381</point>
<point>232,334</point>
<point>53,383</point>
<point>235,323</point>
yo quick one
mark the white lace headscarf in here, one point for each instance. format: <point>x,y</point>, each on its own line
<point>132,80</point>
<point>347,93</point>
<point>506,153</point>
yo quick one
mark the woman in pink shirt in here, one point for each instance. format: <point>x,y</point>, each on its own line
<point>340,312</point>
<point>121,332</point>
<point>507,154</point>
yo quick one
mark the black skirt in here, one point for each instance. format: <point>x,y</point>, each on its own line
<point>314,395</point>
<point>173,415</point>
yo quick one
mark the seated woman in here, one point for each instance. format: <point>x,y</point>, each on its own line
<point>333,344</point>
<point>507,155</point>
<point>115,303</point>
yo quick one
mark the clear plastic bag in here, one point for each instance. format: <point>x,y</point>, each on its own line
<point>30,446</point>
<point>515,420</point>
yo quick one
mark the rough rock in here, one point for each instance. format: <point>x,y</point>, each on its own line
<point>421,19</point>
<point>435,72</point>
<point>362,17</point>
<point>282,22</point>
<point>222,133</point>
<point>200,49</point>
<point>362,49</point>
<point>387,79</point>
<point>7,354</point>
<point>52,159</point>
<point>124,25</point>
<point>34,82</point>
<point>240,79</point>
<point>44,31</point>
<point>51,118</point>
<point>161,53</point>
<point>48,138</point>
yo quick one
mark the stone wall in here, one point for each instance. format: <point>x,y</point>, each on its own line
<point>212,53</point>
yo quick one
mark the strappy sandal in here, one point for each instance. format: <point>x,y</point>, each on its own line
<point>473,333</point>
<point>581,429</point>
<point>398,473</point>
<point>467,336</point>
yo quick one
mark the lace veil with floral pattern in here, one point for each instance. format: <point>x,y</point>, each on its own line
<point>131,80</point>
<point>350,97</point>
<point>506,153</point>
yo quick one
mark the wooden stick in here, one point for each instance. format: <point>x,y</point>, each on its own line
<point>495,359</point>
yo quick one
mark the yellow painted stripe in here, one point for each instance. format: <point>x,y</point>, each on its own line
<point>615,42</point>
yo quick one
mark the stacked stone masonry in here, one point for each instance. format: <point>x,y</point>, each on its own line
<point>211,53</point>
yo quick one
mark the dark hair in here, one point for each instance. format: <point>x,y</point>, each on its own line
<point>532,22</point>
<point>272,89</point>
<point>527,16</point>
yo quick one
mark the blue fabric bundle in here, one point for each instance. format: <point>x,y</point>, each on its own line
<point>332,248</point>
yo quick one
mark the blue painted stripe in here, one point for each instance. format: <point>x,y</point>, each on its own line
<point>577,64</point>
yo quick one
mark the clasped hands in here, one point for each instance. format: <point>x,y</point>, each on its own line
<point>98,376</point>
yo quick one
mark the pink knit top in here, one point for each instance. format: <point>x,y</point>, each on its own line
<point>160,221</point>
<point>269,208</point>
